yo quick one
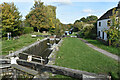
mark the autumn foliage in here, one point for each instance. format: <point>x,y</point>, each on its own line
<point>41,16</point>
<point>11,19</point>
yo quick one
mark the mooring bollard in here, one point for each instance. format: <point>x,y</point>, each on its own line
<point>10,52</point>
<point>29,58</point>
<point>38,39</point>
<point>13,60</point>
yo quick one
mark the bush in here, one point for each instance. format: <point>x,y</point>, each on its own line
<point>116,43</point>
<point>93,36</point>
<point>81,34</point>
<point>28,30</point>
<point>87,34</point>
<point>4,38</point>
<point>89,31</point>
<point>114,76</point>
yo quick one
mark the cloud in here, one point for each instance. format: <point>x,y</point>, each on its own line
<point>69,1</point>
<point>88,11</point>
<point>17,0</point>
<point>62,2</point>
<point>93,14</point>
<point>90,14</point>
<point>94,0</point>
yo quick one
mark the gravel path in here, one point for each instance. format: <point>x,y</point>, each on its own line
<point>102,51</point>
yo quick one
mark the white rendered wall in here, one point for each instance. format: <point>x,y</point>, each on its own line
<point>102,28</point>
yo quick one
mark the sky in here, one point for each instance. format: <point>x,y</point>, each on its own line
<point>69,10</point>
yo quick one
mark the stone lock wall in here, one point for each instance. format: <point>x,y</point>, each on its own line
<point>37,49</point>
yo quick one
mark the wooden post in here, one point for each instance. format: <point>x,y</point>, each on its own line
<point>109,42</point>
<point>14,74</point>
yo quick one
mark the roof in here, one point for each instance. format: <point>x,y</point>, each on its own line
<point>109,13</point>
<point>119,4</point>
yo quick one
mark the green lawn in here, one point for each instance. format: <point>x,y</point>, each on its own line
<point>13,45</point>
<point>77,55</point>
<point>99,44</point>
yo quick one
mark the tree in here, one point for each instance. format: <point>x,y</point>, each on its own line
<point>42,16</point>
<point>76,21</point>
<point>11,19</point>
<point>79,25</point>
<point>58,28</point>
<point>89,32</point>
<point>113,31</point>
<point>83,19</point>
<point>91,19</point>
<point>87,26</point>
<point>37,16</point>
<point>51,16</point>
<point>69,26</point>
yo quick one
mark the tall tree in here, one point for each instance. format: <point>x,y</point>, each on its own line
<point>37,16</point>
<point>51,16</point>
<point>58,28</point>
<point>11,19</point>
<point>42,16</point>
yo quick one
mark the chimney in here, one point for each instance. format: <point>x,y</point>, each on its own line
<point>118,4</point>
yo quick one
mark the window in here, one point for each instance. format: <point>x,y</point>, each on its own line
<point>99,23</point>
<point>108,22</point>
<point>117,20</point>
<point>99,33</point>
<point>103,35</point>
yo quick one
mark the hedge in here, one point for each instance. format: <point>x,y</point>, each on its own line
<point>28,30</point>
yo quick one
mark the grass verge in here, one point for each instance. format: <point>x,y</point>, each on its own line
<point>13,45</point>
<point>76,54</point>
<point>99,44</point>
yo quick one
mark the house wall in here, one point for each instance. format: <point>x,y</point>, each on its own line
<point>102,28</point>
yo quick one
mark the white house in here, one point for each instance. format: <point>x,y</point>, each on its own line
<point>104,23</point>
